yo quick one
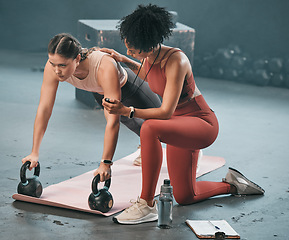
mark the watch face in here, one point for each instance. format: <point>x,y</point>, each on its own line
<point>107,161</point>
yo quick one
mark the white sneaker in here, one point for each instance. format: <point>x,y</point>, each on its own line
<point>137,161</point>
<point>139,212</point>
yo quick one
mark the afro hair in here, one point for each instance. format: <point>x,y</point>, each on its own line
<point>146,27</point>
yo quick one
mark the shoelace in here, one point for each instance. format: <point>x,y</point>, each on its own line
<point>136,205</point>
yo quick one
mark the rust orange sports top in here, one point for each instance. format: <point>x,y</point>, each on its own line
<point>156,78</point>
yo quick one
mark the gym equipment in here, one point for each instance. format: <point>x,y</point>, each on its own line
<point>261,77</point>
<point>231,63</point>
<point>277,79</point>
<point>223,57</point>
<point>247,60</point>
<point>100,200</point>
<point>234,49</point>
<point>261,63</point>
<point>73,193</point>
<point>248,75</point>
<point>275,65</point>
<point>30,186</point>
<point>231,74</point>
<point>238,62</point>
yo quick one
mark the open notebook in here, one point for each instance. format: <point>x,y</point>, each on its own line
<point>207,228</point>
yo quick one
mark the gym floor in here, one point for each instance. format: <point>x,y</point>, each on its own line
<point>253,138</point>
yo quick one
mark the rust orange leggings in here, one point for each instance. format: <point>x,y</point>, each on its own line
<point>192,127</point>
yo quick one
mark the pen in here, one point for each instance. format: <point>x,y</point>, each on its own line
<point>214,225</point>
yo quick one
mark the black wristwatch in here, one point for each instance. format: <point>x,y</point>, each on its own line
<point>107,161</point>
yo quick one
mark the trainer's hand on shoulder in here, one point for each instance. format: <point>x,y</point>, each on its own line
<point>33,158</point>
<point>104,172</point>
<point>114,54</point>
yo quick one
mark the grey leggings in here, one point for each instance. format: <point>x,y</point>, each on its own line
<point>135,93</point>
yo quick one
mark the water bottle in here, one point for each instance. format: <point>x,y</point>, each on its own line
<point>165,205</point>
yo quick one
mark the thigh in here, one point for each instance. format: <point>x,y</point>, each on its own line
<point>183,131</point>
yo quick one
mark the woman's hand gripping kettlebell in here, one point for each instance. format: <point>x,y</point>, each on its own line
<point>33,159</point>
<point>30,186</point>
<point>100,199</point>
<point>104,170</point>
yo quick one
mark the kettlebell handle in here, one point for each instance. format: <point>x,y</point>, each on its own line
<point>24,168</point>
<point>95,182</point>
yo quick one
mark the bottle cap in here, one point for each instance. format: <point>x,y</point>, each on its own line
<point>167,181</point>
<point>166,187</point>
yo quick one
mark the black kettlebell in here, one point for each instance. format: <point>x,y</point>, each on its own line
<point>100,200</point>
<point>30,186</point>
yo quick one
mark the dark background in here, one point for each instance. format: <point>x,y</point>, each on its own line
<point>259,27</point>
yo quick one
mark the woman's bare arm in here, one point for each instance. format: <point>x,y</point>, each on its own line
<point>176,70</point>
<point>109,81</point>
<point>44,111</point>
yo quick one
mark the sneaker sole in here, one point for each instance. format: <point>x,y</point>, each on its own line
<point>149,218</point>
<point>235,173</point>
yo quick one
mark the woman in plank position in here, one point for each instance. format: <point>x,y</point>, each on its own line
<point>97,72</point>
<point>184,121</point>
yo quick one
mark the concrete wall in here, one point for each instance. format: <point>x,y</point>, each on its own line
<point>258,26</point>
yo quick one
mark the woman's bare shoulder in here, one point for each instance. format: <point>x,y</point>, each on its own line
<point>108,62</point>
<point>49,75</point>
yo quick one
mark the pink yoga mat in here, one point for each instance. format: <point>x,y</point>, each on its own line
<point>125,185</point>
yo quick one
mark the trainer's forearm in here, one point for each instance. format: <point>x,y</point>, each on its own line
<point>133,65</point>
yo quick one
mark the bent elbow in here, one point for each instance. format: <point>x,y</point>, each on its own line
<point>166,115</point>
